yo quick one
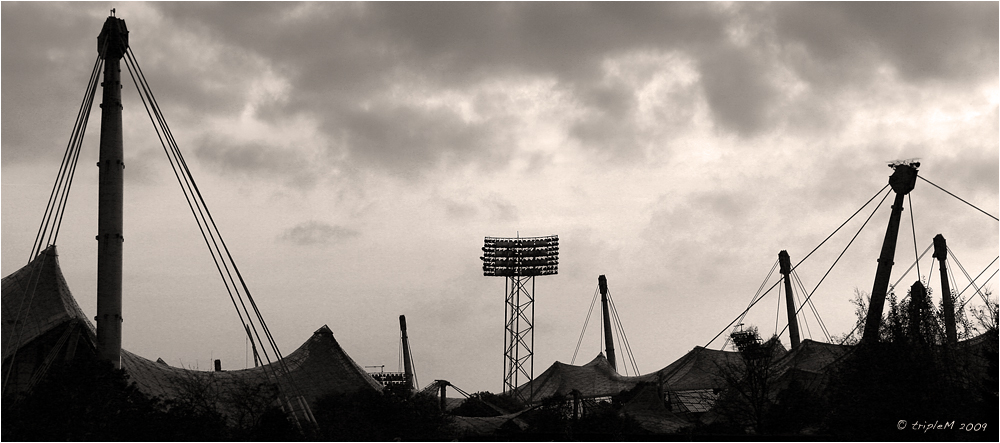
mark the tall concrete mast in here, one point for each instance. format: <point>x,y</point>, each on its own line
<point>609,343</point>
<point>112,44</point>
<point>785,267</point>
<point>902,180</point>
<point>941,253</point>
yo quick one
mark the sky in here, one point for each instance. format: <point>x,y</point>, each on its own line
<point>355,155</point>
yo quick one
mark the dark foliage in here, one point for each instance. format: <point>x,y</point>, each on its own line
<point>379,416</point>
<point>745,405</point>
<point>487,404</point>
<point>88,400</point>
<point>796,411</point>
<point>596,420</point>
<point>911,375</point>
<point>606,422</point>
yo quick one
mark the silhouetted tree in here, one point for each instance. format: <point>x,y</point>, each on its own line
<point>796,411</point>
<point>748,396</point>
<point>909,374</point>
<point>82,400</point>
<point>487,404</point>
<point>87,400</point>
<point>379,416</point>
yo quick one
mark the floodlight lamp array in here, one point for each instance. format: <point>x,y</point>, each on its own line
<point>521,256</point>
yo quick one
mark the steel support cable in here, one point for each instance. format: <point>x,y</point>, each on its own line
<point>959,295</point>
<point>907,271</point>
<point>625,346</point>
<point>914,229</point>
<point>402,364</point>
<point>68,156</point>
<point>624,338</point>
<point>460,391</point>
<point>620,336</point>
<point>804,319</point>
<point>800,287</point>
<point>64,199</point>
<point>616,329</point>
<point>185,189</point>
<point>55,208</point>
<point>79,133</point>
<point>60,189</point>
<point>67,175</point>
<point>977,290</point>
<point>207,218</point>
<point>857,325</point>
<point>186,182</point>
<point>413,367</point>
<point>172,152</point>
<point>804,259</point>
<point>753,300</point>
<point>849,334</point>
<point>777,313</point>
<point>954,286</point>
<point>955,259</point>
<point>840,256</point>
<point>742,315</point>
<point>843,224</point>
<point>203,212</point>
<point>819,319</point>
<point>585,324</point>
<point>954,282</point>
<point>616,334</point>
<point>402,356</point>
<point>959,198</point>
<point>628,345</point>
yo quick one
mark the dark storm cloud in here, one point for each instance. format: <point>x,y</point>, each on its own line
<point>409,140</point>
<point>609,125</point>
<point>970,171</point>
<point>41,51</point>
<point>738,89</point>
<point>337,56</point>
<point>342,61</point>
<point>317,233</point>
<point>257,160</point>
<point>924,40</point>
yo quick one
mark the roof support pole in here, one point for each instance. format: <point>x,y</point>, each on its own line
<point>941,253</point>
<point>112,44</point>
<point>407,363</point>
<point>609,343</point>
<point>785,267</point>
<point>903,178</point>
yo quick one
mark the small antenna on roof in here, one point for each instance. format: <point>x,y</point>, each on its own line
<point>112,12</point>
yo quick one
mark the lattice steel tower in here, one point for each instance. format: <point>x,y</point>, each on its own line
<point>520,260</point>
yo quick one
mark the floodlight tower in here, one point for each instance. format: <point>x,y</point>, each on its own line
<point>520,260</point>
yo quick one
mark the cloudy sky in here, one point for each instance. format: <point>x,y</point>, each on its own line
<point>355,155</point>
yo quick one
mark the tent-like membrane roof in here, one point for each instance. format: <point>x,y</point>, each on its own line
<point>43,323</point>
